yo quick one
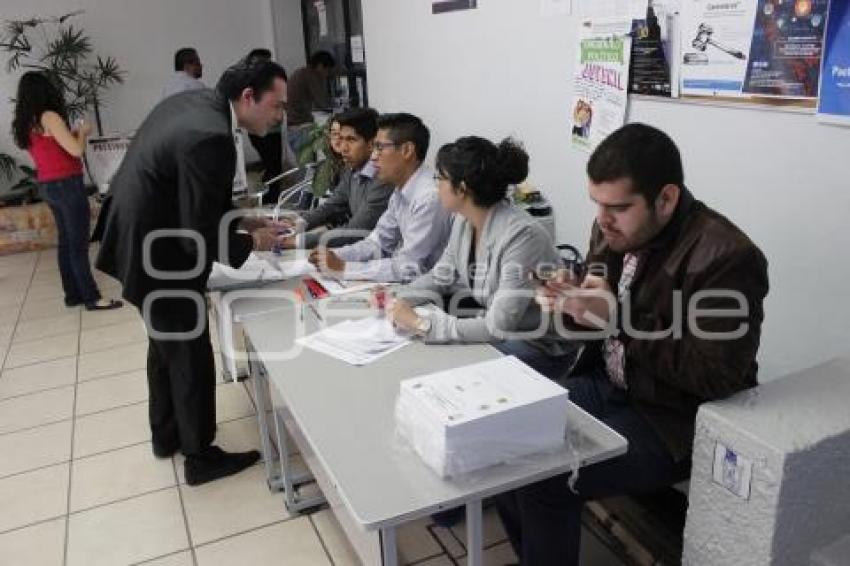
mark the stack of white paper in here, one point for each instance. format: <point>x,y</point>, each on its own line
<point>472,417</point>
<point>357,342</point>
<point>254,270</point>
<point>296,268</point>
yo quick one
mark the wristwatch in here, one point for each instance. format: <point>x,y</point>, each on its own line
<point>423,325</point>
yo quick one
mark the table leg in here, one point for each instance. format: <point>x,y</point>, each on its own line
<point>261,399</point>
<point>474,537</point>
<point>389,550</point>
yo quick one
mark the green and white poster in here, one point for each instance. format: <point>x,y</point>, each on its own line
<point>600,82</point>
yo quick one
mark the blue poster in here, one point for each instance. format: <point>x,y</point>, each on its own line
<point>785,54</point>
<point>834,103</point>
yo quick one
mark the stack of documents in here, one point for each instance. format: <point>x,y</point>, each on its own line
<point>253,272</point>
<point>336,286</point>
<point>468,418</point>
<point>357,342</point>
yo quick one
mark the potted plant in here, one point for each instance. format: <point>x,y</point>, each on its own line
<point>65,53</point>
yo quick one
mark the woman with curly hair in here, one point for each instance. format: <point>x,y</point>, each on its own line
<point>40,126</point>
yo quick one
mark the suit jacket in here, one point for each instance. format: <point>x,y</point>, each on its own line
<point>669,377</point>
<point>177,175</point>
<point>512,245</point>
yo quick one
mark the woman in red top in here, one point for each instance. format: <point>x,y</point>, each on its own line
<point>41,127</point>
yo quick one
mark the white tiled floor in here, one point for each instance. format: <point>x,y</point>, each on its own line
<point>78,482</point>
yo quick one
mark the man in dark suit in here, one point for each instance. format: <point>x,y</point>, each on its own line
<point>167,221</point>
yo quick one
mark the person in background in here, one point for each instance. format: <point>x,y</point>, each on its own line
<point>359,198</point>
<point>269,147</point>
<point>411,235</point>
<point>187,73</point>
<point>40,126</point>
<point>493,249</point>
<point>308,91</point>
<point>166,225</point>
<point>654,250</point>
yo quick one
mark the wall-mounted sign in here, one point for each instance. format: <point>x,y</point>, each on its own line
<point>440,6</point>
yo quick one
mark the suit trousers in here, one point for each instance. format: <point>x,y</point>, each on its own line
<point>181,377</point>
<point>543,520</point>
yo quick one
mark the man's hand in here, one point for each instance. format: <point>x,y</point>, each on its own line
<point>327,261</point>
<point>588,304</point>
<point>265,239</point>
<point>402,315</point>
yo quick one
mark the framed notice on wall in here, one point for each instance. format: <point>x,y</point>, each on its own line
<point>441,6</point>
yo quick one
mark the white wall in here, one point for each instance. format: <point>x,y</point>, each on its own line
<point>143,37</point>
<point>503,69</point>
<point>288,34</point>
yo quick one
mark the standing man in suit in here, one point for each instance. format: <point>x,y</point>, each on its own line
<point>165,226</point>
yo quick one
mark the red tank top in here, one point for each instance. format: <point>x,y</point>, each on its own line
<point>52,162</point>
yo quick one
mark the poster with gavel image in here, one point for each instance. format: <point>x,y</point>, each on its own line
<point>715,45</point>
<point>762,48</point>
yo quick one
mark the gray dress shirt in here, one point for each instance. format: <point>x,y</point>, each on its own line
<point>356,204</point>
<point>409,237</point>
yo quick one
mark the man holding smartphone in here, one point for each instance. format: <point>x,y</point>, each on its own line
<point>659,263</point>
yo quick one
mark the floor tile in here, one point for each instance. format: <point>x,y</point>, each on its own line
<point>493,532</point>
<point>36,409</point>
<point>497,555</point>
<point>180,559</point>
<point>110,392</point>
<point>34,496</point>
<point>38,545</point>
<point>107,337</point>
<point>38,377</point>
<point>231,505</point>
<point>415,542</point>
<point>45,308</point>
<point>232,402</point>
<point>292,542</point>
<point>127,531</point>
<point>96,319</point>
<point>113,361</point>
<point>112,429</point>
<point>25,353</point>
<point>120,474</point>
<point>9,312</point>
<point>43,327</point>
<point>35,448</point>
<point>334,539</point>
<point>442,560</point>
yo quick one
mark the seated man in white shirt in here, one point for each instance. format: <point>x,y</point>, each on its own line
<point>187,73</point>
<point>411,235</point>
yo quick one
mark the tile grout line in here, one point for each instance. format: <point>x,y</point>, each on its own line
<point>100,412</point>
<point>71,465</point>
<point>321,540</point>
<point>18,316</point>
<point>184,513</point>
<point>94,454</point>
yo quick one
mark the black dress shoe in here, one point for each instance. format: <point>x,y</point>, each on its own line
<point>215,463</point>
<point>113,304</point>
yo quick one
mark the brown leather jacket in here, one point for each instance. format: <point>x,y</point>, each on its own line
<point>668,378</point>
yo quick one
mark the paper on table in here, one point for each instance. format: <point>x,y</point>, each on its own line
<point>357,342</point>
<point>295,268</point>
<point>254,269</point>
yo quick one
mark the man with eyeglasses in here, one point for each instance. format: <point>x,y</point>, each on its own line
<point>360,198</point>
<point>412,234</point>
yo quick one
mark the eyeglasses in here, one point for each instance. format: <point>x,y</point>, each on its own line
<point>379,147</point>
